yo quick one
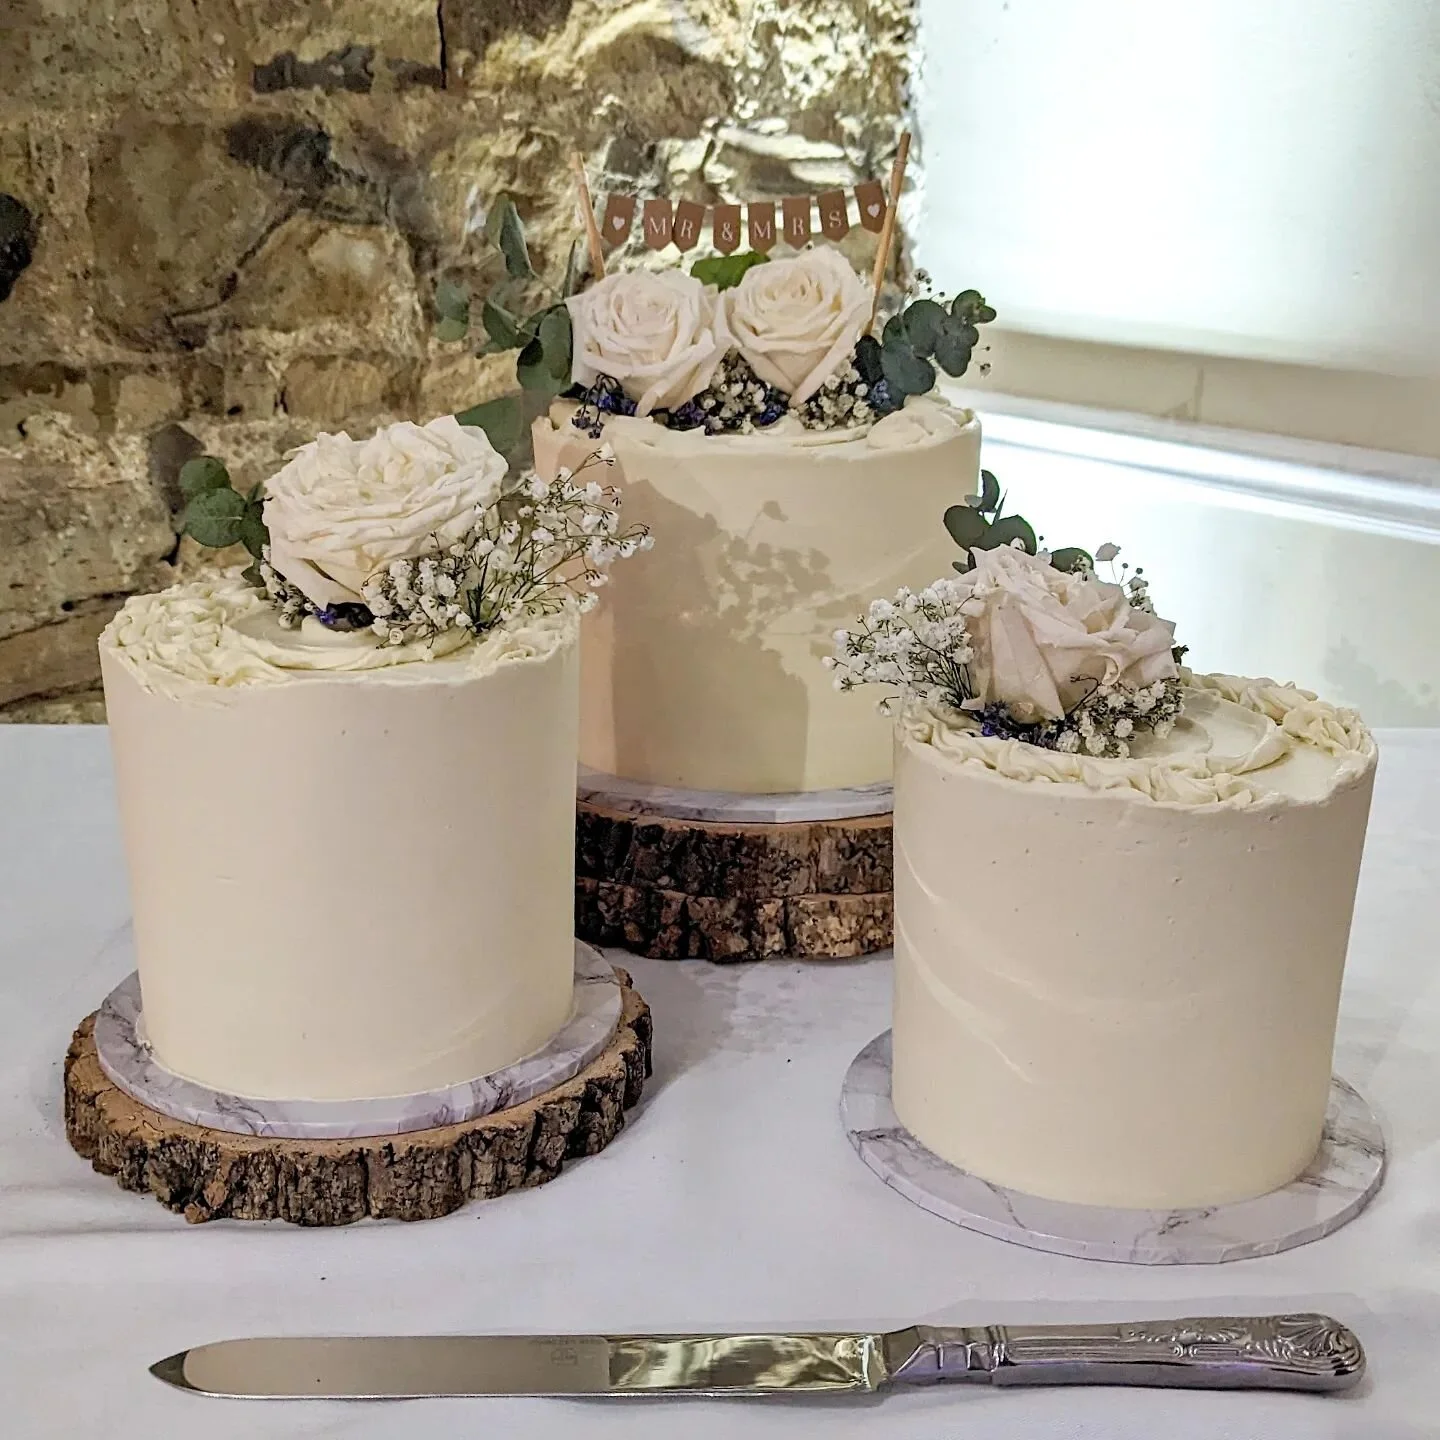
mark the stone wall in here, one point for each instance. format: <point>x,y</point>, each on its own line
<point>222,222</point>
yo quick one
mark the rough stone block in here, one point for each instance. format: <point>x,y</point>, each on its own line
<point>172,216</point>
<point>333,390</point>
<point>55,657</point>
<point>79,521</point>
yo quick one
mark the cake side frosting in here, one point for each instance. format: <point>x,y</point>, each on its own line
<point>702,669</point>
<point>1116,981</point>
<point>381,901</point>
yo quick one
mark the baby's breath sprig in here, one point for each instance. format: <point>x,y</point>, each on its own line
<point>916,643</point>
<point>551,545</point>
<point>542,545</point>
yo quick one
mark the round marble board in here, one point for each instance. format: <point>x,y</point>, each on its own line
<point>1346,1172</point>
<point>205,1173</point>
<point>128,1061</point>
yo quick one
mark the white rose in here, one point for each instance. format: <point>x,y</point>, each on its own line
<point>797,321</point>
<point>341,509</point>
<point>1042,638</point>
<point>660,335</point>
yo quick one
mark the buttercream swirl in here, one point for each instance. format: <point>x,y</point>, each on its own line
<point>1275,721</point>
<point>220,633</point>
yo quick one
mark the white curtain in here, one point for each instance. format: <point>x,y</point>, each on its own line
<point>1253,178</point>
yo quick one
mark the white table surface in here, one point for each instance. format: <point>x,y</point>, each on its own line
<point>732,1200</point>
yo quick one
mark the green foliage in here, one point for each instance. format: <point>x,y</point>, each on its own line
<point>504,230</point>
<point>502,420</point>
<point>925,334</point>
<point>502,328</point>
<point>1071,558</point>
<point>979,525</point>
<point>725,271</point>
<point>453,304</point>
<point>217,515</point>
<point>213,517</point>
<point>544,362</point>
<point>200,474</point>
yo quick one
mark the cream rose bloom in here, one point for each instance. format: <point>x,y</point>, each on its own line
<point>1042,638</point>
<point>797,321</point>
<point>660,335</point>
<point>341,509</point>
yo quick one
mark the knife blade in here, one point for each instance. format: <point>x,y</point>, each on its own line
<point>1269,1352</point>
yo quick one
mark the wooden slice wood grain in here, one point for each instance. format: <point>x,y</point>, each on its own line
<point>208,1174</point>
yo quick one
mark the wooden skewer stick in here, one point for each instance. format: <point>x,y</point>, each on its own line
<point>887,233</point>
<point>587,214</point>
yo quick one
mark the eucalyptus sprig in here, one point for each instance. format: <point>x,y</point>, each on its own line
<point>978,524</point>
<point>924,334</point>
<point>542,335</point>
<point>217,515</point>
<point>726,271</point>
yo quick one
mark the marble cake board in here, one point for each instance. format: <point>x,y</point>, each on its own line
<point>128,1061</point>
<point>678,874</point>
<point>1346,1172</point>
<point>204,1173</point>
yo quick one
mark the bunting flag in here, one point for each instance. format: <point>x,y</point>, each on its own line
<point>683,223</point>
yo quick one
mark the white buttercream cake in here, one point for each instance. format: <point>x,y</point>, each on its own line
<point>1116,980</point>
<point>1123,890</point>
<point>702,670</point>
<point>347,781</point>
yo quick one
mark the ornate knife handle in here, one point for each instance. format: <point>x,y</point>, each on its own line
<point>1265,1352</point>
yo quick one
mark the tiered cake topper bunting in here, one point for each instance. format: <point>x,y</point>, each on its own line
<point>682,223</point>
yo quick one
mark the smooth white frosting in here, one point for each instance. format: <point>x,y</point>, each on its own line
<point>1116,981</point>
<point>345,883</point>
<point>702,669</point>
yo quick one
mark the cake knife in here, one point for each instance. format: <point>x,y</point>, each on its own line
<point>1274,1352</point>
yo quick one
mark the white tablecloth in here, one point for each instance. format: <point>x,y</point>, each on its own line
<point>732,1200</point>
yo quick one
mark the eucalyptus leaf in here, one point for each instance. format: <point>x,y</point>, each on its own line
<point>202,473</point>
<point>725,271</point>
<point>213,517</point>
<point>906,372</point>
<point>967,526</point>
<point>556,339</point>
<point>502,421</point>
<point>1008,528</point>
<point>251,575</point>
<point>501,326</point>
<point>533,370</point>
<point>451,329</point>
<point>504,230</point>
<point>925,322</point>
<point>254,535</point>
<point>575,265</point>
<point>894,331</point>
<point>1071,558</point>
<point>989,492</point>
<point>452,301</point>
<point>867,359</point>
<point>954,346</point>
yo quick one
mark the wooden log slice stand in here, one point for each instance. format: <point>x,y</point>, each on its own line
<point>674,889</point>
<point>207,1174</point>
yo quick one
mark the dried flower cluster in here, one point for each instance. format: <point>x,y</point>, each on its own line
<point>539,546</point>
<point>845,400</point>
